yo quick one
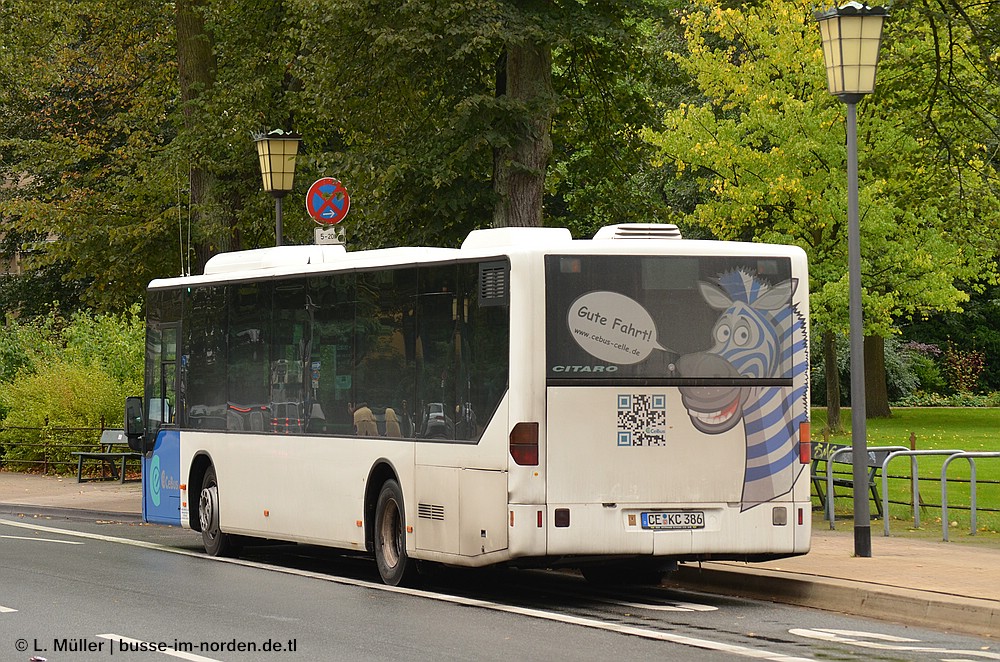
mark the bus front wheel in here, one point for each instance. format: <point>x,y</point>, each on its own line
<point>216,542</point>
<point>395,567</point>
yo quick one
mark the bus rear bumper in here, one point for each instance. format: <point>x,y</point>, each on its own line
<point>774,529</point>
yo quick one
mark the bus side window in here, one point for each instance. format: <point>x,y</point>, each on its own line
<point>160,413</point>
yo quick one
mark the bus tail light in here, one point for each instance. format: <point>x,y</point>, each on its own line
<point>805,447</point>
<point>524,444</point>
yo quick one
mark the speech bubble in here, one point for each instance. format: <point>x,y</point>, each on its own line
<point>612,327</point>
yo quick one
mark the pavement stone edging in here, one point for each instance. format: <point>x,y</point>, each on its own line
<point>53,512</point>
<point>904,606</point>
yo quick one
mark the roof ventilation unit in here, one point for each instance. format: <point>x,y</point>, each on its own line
<point>639,231</point>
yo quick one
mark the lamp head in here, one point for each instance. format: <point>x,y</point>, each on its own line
<point>277,151</point>
<point>852,34</point>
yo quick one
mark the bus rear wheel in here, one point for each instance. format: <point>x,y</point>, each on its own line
<point>394,566</point>
<point>216,542</point>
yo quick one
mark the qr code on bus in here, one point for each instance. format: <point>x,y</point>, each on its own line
<point>642,420</point>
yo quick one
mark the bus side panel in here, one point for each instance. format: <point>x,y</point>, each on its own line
<point>161,470</point>
<point>484,511</point>
<point>438,509</point>
<point>303,489</point>
<point>461,492</point>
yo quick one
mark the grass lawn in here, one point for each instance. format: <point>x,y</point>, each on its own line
<point>968,429</point>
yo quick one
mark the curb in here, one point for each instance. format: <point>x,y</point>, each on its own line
<point>76,514</point>
<point>900,605</point>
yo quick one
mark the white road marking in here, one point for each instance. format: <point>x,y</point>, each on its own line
<point>6,610</point>
<point>706,644</point>
<point>672,606</point>
<point>886,642</point>
<point>653,606</point>
<point>64,542</point>
<point>166,651</point>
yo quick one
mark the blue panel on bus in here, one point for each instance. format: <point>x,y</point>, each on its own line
<point>161,494</point>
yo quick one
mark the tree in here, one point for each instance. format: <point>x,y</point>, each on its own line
<point>766,145</point>
<point>439,117</point>
<point>443,110</point>
<point>85,192</point>
<point>196,70</point>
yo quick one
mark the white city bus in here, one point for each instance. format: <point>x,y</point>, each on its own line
<point>616,404</point>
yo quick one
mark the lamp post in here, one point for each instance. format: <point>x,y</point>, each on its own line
<point>851,37</point>
<point>277,150</point>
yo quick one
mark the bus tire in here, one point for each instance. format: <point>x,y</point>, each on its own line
<point>216,542</point>
<point>394,566</point>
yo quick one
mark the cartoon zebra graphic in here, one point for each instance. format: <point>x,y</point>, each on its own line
<point>758,334</point>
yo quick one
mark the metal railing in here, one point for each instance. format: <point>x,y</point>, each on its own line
<point>830,514</point>
<point>971,457</point>
<point>914,480</point>
<point>47,448</point>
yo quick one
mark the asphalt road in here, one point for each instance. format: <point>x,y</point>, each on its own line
<point>84,590</point>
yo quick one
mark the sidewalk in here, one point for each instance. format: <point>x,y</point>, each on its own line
<point>935,584</point>
<point>35,494</point>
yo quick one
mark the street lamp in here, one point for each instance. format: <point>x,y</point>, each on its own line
<point>851,37</point>
<point>277,151</point>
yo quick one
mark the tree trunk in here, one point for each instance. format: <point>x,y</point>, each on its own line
<point>196,67</point>
<point>833,423</point>
<point>876,388</point>
<point>519,170</point>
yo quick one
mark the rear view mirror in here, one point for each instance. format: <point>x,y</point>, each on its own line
<point>135,424</point>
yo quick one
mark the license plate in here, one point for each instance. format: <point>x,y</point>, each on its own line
<point>674,519</point>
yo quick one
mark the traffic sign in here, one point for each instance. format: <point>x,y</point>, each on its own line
<point>327,201</point>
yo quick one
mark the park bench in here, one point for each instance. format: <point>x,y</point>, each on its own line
<point>843,470</point>
<point>113,443</point>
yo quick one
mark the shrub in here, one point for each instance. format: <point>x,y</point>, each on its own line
<point>58,395</point>
<point>926,399</point>
<point>907,370</point>
<point>71,375</point>
<point>922,358</point>
<point>962,368</point>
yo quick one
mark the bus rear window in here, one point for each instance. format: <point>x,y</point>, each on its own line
<point>669,319</point>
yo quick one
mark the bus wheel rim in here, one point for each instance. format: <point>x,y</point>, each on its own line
<point>206,509</point>
<point>390,535</point>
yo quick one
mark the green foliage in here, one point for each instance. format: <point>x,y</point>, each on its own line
<point>915,375</point>
<point>89,187</point>
<point>60,374</point>
<point>113,343</point>
<point>901,379</point>
<point>962,368</point>
<point>63,393</point>
<point>24,345</point>
<point>978,327</point>
<point>412,122</point>
<point>765,142</point>
<point>923,362</point>
<point>932,399</point>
